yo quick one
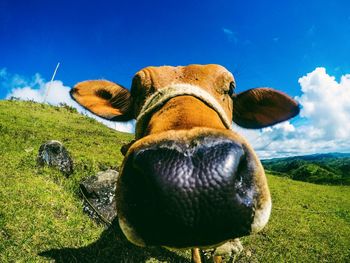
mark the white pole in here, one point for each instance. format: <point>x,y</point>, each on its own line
<point>52,78</point>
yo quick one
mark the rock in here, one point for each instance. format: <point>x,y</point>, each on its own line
<point>228,251</point>
<point>53,153</point>
<point>99,196</point>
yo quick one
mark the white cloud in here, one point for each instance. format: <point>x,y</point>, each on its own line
<point>231,36</point>
<point>54,93</point>
<point>326,103</point>
<point>227,31</point>
<point>323,125</point>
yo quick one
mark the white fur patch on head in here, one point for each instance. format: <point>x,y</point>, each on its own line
<point>160,97</point>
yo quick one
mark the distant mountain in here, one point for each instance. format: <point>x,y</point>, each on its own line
<point>326,168</point>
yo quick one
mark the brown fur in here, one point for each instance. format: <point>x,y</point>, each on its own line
<point>214,79</point>
<point>257,108</point>
<point>184,118</point>
<point>178,114</point>
<point>104,98</point>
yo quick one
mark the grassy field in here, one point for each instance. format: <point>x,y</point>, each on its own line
<point>41,216</point>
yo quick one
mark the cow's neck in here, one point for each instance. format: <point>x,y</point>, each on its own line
<point>182,113</point>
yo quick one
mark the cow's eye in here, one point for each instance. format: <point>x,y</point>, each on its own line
<point>231,91</point>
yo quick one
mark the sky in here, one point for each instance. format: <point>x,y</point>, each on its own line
<point>299,47</point>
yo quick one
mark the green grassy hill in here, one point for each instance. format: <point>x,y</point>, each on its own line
<point>41,216</point>
<point>331,168</point>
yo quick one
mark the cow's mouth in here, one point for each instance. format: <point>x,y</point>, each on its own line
<point>199,192</point>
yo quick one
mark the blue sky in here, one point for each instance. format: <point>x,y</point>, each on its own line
<point>270,43</point>
<point>263,43</point>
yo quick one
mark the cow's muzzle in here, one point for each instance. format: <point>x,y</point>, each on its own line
<point>184,194</point>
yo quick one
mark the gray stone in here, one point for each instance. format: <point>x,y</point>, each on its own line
<point>99,196</point>
<point>228,251</point>
<point>53,153</point>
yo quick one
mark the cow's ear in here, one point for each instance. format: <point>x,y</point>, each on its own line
<point>104,98</point>
<point>262,107</point>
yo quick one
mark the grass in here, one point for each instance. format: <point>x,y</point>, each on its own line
<point>41,216</point>
<point>309,223</point>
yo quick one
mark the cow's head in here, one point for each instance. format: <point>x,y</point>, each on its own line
<point>188,179</point>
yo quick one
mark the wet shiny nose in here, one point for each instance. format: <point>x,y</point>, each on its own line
<point>188,194</point>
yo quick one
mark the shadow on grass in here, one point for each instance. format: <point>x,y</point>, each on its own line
<point>112,246</point>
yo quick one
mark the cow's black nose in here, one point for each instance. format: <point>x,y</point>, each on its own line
<point>188,194</point>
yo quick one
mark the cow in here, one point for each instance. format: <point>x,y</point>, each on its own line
<point>188,179</point>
